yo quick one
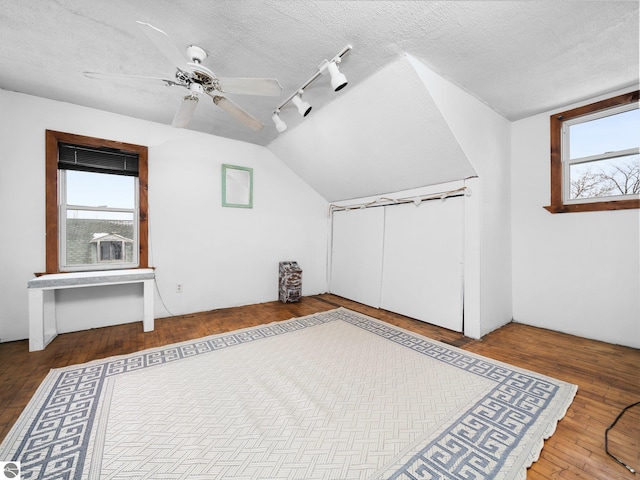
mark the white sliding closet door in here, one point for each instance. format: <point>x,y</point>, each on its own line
<point>356,260</point>
<point>422,275</point>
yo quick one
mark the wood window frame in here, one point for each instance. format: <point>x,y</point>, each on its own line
<point>555,123</point>
<point>52,139</point>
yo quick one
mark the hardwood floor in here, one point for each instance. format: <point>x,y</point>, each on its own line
<point>608,376</point>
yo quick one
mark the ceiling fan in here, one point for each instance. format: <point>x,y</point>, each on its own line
<point>199,80</point>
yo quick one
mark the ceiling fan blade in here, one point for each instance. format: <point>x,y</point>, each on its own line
<point>162,41</point>
<point>251,86</point>
<point>238,113</point>
<point>184,112</point>
<point>130,78</point>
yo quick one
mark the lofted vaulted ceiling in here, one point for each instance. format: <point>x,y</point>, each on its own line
<point>518,57</point>
<point>376,139</point>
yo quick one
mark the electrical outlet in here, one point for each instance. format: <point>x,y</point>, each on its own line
<point>179,288</point>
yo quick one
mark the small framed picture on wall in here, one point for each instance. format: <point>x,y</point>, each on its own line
<point>237,186</point>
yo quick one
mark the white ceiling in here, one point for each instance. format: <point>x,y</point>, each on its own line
<point>518,57</point>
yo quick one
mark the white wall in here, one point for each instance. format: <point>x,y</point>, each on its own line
<point>223,256</point>
<point>577,273</point>
<point>484,137</point>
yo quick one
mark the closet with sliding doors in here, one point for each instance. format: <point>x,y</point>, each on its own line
<point>406,258</point>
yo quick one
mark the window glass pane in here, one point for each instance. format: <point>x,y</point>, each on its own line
<point>605,178</point>
<point>110,251</point>
<point>105,251</point>
<point>607,134</point>
<point>94,236</point>
<point>116,250</point>
<point>100,189</point>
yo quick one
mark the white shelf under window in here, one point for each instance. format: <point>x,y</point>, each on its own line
<point>42,309</point>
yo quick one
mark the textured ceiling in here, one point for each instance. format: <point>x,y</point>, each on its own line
<point>519,57</point>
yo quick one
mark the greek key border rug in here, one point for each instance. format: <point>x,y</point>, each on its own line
<point>335,395</point>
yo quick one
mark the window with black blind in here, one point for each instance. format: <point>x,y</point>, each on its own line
<point>98,192</point>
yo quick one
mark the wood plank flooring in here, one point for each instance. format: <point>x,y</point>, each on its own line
<point>608,376</point>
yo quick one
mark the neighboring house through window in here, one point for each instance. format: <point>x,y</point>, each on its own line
<point>595,156</point>
<point>96,204</point>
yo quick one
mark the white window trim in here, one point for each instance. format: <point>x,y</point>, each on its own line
<point>567,162</point>
<point>62,230</point>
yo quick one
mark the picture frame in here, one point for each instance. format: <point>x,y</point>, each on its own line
<point>237,186</point>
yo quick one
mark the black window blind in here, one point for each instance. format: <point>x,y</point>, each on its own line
<point>98,160</point>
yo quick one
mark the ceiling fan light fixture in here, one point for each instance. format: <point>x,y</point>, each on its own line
<point>280,125</point>
<point>196,54</point>
<point>199,80</point>
<point>303,107</point>
<point>195,88</point>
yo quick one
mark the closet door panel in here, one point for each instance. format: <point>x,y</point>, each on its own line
<point>422,261</point>
<point>356,260</point>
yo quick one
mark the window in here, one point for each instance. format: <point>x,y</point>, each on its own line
<point>96,196</point>
<point>595,157</point>
<point>112,248</point>
<point>111,251</point>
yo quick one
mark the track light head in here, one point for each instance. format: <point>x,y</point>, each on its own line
<point>338,80</point>
<point>280,125</point>
<point>303,107</point>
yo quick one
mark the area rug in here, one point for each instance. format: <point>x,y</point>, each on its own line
<point>335,395</point>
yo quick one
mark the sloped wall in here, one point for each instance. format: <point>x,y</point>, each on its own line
<point>407,128</point>
<point>484,136</point>
<point>383,135</point>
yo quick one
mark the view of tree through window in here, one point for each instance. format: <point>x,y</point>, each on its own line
<point>595,156</point>
<point>608,178</point>
<point>603,156</point>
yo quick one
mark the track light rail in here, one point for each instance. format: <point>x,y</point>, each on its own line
<point>326,66</point>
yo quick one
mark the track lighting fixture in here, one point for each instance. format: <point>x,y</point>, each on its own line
<point>280,125</point>
<point>303,107</point>
<point>338,82</point>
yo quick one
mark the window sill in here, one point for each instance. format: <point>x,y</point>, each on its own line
<point>67,272</point>
<point>593,207</point>
<point>94,278</point>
